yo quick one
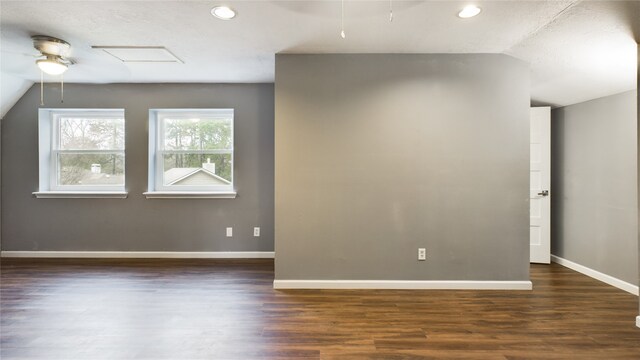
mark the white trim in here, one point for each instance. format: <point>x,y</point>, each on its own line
<point>403,284</point>
<point>190,194</point>
<point>608,279</point>
<point>638,321</point>
<point>80,194</point>
<point>142,254</point>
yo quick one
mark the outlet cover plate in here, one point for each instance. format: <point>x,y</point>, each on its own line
<point>422,254</point>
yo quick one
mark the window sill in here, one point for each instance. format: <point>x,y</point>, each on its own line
<point>81,194</point>
<point>190,194</point>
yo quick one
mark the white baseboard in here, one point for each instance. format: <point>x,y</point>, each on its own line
<point>638,321</point>
<point>608,279</point>
<point>402,284</point>
<point>142,254</point>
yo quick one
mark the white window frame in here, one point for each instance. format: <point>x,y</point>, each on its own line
<point>156,187</point>
<point>49,149</point>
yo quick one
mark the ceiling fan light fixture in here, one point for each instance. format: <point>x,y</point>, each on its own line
<point>469,11</point>
<point>52,65</point>
<point>223,12</point>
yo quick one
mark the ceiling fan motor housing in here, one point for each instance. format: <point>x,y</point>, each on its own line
<point>49,45</point>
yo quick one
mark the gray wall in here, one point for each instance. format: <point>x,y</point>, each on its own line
<point>594,182</point>
<point>378,155</point>
<point>135,223</point>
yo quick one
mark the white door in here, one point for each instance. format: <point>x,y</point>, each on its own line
<point>540,173</point>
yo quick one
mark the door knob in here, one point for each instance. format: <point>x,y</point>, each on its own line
<point>544,193</point>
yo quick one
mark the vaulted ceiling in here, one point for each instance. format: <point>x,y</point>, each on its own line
<point>578,50</point>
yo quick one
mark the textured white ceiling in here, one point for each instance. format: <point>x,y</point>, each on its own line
<point>577,50</point>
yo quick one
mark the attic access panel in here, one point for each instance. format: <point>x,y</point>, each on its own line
<point>141,54</point>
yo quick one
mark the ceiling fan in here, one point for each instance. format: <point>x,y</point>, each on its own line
<point>54,53</point>
<point>53,60</point>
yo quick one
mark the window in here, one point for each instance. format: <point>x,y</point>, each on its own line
<point>81,152</point>
<point>191,153</point>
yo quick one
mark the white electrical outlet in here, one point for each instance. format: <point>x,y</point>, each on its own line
<point>229,232</point>
<point>422,254</point>
<point>256,231</point>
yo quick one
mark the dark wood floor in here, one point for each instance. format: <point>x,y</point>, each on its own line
<point>203,309</point>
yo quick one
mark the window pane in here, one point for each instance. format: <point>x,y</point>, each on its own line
<point>197,134</point>
<point>91,169</point>
<point>197,169</point>
<point>91,134</point>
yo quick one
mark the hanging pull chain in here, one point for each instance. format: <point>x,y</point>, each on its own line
<point>390,10</point>
<point>62,88</point>
<point>342,34</point>
<point>41,88</point>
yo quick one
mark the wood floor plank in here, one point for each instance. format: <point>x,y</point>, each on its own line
<point>92,309</point>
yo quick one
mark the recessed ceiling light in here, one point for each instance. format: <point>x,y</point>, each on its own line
<point>223,12</point>
<point>469,11</point>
